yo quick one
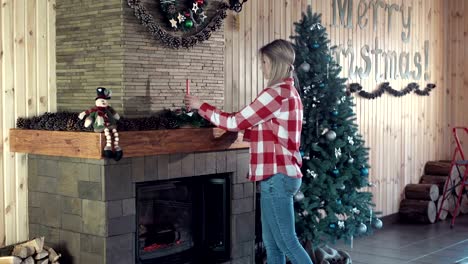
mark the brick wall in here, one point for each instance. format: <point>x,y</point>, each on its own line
<point>89,52</point>
<point>154,76</point>
<point>101,43</point>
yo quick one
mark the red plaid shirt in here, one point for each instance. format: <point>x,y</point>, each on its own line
<point>273,123</point>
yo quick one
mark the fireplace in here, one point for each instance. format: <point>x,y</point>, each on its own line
<point>175,208</point>
<point>184,220</point>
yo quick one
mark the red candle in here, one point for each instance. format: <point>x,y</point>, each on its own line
<point>187,85</point>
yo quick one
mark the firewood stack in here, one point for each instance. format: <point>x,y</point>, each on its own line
<point>419,205</point>
<point>29,252</point>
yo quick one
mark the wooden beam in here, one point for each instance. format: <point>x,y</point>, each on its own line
<point>56,143</point>
<point>134,143</point>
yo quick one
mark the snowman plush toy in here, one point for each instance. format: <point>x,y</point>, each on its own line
<point>104,119</point>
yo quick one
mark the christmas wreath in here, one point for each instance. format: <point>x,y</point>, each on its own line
<point>169,40</point>
<point>187,19</point>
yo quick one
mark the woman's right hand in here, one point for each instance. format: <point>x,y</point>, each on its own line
<point>192,102</point>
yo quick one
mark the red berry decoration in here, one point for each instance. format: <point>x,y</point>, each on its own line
<point>200,2</point>
<point>187,14</point>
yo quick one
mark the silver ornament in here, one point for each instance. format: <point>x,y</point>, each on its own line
<point>316,26</point>
<point>299,196</point>
<point>350,160</point>
<point>341,224</point>
<point>337,152</point>
<point>305,66</point>
<point>362,228</point>
<point>377,223</point>
<point>342,187</point>
<point>331,135</point>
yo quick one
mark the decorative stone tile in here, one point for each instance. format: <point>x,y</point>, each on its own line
<point>51,209</point>
<point>33,229</point>
<point>151,172</point>
<point>188,165</point>
<point>242,168</point>
<point>249,189</point>
<point>96,172</point>
<point>138,169</point>
<point>242,250</point>
<point>43,184</point>
<point>121,225</point>
<point>163,167</point>
<point>114,209</point>
<point>243,205</point>
<point>71,205</point>
<point>93,244</point>
<point>129,206</point>
<point>231,160</point>
<point>33,200</point>
<point>237,191</point>
<point>71,241</point>
<point>243,260</point>
<point>120,249</point>
<point>118,183</point>
<point>245,227</point>
<point>94,218</point>
<point>67,182</point>
<point>46,167</point>
<point>200,164</point>
<point>90,258</point>
<point>90,190</point>
<point>110,222</point>
<point>79,171</point>
<point>72,222</point>
<point>210,163</point>
<point>175,166</point>
<point>52,234</point>
<point>32,167</point>
<point>35,215</point>
<point>221,159</point>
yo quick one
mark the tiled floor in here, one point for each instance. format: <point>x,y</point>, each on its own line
<point>416,244</point>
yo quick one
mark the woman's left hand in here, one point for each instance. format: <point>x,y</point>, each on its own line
<point>192,102</point>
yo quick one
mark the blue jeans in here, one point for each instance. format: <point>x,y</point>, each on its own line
<point>278,231</point>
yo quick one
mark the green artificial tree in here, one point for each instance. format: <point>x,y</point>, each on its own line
<point>333,203</point>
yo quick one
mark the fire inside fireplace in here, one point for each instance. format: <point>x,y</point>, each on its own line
<point>184,220</point>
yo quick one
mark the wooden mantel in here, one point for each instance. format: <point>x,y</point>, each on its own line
<point>134,143</point>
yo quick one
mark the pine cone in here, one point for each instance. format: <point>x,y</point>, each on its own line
<point>50,124</point>
<point>125,124</point>
<point>169,123</point>
<point>27,124</point>
<point>20,122</point>
<point>35,123</point>
<point>150,123</point>
<point>70,124</point>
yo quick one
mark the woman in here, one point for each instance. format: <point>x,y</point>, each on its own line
<point>273,122</point>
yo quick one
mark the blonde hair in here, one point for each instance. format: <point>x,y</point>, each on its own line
<point>281,54</point>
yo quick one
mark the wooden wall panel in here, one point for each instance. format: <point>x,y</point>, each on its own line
<point>402,133</point>
<point>27,74</point>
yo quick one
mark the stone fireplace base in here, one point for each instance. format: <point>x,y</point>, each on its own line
<point>86,207</point>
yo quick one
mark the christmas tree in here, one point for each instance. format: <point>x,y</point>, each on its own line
<point>333,203</point>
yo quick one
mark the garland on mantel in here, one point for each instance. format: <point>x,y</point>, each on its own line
<point>69,121</point>
<point>385,87</point>
<point>175,42</point>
